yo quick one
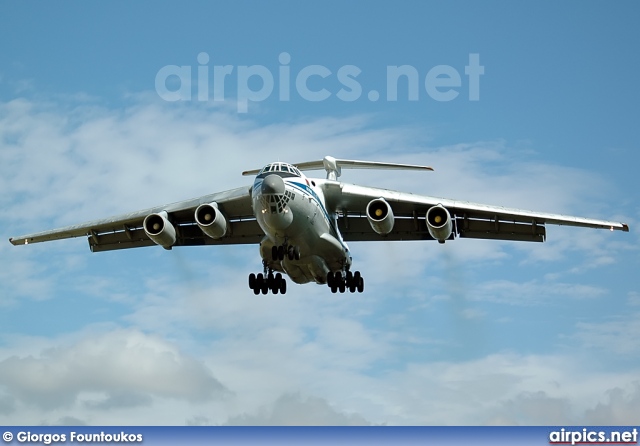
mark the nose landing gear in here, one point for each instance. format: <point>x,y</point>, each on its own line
<point>279,252</point>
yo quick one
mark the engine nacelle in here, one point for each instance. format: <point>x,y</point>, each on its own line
<point>159,229</point>
<point>439,223</point>
<point>380,216</point>
<point>211,221</point>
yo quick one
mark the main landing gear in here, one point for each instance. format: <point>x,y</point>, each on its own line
<point>349,281</point>
<point>262,283</point>
<point>267,281</point>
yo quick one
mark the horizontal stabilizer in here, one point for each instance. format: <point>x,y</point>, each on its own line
<point>334,166</point>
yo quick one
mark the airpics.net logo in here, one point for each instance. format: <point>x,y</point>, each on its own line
<point>313,83</point>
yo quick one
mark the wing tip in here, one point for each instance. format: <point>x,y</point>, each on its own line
<point>19,241</point>
<point>625,227</point>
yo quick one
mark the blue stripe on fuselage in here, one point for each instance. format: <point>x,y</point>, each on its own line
<point>308,190</point>
<point>304,188</point>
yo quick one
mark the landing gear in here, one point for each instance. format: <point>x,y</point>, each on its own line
<point>286,250</point>
<point>263,283</point>
<point>293,252</point>
<point>349,281</point>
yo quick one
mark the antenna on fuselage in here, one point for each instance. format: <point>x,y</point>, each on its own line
<point>334,166</point>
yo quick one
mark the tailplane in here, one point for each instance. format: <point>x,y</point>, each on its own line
<point>334,166</point>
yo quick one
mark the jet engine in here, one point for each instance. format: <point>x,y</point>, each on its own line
<point>439,223</point>
<point>211,221</point>
<point>380,216</point>
<point>160,230</point>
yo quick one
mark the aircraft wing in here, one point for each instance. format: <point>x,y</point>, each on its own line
<point>125,231</point>
<point>471,220</point>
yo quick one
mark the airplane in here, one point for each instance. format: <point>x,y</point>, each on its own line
<point>302,225</point>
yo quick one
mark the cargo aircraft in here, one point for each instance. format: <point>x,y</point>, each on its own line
<point>302,225</point>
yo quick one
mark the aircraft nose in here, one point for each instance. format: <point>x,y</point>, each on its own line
<point>272,184</point>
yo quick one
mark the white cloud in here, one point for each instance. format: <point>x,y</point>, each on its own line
<point>620,335</point>
<point>503,389</point>
<point>633,298</point>
<point>294,410</point>
<point>618,407</point>
<point>534,408</point>
<point>534,292</point>
<point>125,368</point>
<point>69,421</point>
<point>622,407</point>
<point>125,377</point>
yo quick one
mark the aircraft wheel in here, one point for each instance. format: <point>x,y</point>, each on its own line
<point>281,253</point>
<point>296,252</point>
<point>274,253</point>
<point>252,281</point>
<point>355,282</point>
<point>360,284</point>
<point>256,290</point>
<point>290,254</point>
<point>330,278</point>
<point>283,286</point>
<point>337,279</point>
<point>277,283</point>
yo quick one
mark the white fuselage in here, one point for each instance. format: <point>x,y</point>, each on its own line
<point>293,212</point>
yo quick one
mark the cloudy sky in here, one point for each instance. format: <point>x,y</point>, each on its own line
<point>471,332</point>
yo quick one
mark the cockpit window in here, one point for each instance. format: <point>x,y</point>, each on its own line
<point>283,169</point>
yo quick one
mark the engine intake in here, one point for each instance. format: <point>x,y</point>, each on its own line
<point>439,223</point>
<point>159,229</point>
<point>211,221</point>
<point>380,216</point>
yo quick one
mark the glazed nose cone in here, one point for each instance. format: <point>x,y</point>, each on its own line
<point>272,184</point>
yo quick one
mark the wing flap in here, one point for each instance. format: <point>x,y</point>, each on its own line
<point>496,229</point>
<point>241,232</point>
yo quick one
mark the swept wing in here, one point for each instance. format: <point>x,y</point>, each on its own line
<point>126,231</point>
<point>471,220</point>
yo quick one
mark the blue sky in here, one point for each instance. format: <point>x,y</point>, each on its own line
<point>472,332</point>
